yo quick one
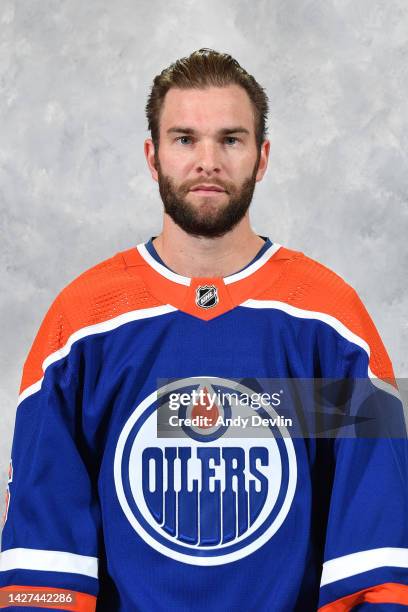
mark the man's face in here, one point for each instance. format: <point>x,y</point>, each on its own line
<point>207,138</point>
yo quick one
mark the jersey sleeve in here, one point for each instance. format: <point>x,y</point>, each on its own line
<point>366,545</point>
<point>51,530</point>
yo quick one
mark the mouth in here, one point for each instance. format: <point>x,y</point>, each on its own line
<point>208,191</point>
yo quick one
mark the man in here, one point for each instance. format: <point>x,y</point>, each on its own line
<point>130,486</point>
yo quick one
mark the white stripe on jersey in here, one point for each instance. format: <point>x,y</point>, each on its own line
<point>364,561</point>
<point>48,561</point>
<point>97,328</point>
<point>335,324</point>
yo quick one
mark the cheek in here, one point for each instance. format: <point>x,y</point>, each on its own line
<point>176,166</point>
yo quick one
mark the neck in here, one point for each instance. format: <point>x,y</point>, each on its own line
<point>197,256</point>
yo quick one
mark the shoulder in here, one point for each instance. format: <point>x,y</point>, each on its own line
<point>103,291</point>
<point>309,290</point>
<point>305,280</point>
<point>307,284</point>
<point>89,302</point>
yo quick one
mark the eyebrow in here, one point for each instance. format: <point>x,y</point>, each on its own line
<point>223,132</point>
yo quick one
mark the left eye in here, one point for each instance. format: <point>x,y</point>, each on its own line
<point>231,138</point>
<point>180,138</point>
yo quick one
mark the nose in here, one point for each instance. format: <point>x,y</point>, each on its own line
<point>208,158</point>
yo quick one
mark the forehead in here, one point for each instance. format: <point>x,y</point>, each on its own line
<point>206,109</point>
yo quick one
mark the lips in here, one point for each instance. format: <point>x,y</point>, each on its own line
<point>205,188</point>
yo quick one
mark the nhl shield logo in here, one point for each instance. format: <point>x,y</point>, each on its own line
<point>206,296</point>
<point>205,497</point>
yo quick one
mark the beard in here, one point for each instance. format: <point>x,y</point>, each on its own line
<point>206,218</point>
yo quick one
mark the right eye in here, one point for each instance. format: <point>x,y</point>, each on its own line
<point>180,138</point>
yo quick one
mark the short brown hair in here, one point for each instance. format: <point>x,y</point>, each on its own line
<point>206,68</point>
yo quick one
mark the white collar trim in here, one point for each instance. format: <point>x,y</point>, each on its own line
<point>185,280</point>
<point>254,266</point>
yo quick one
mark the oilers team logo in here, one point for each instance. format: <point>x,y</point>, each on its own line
<point>203,420</point>
<point>206,296</point>
<point>206,493</point>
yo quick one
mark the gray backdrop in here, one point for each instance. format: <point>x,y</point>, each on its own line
<point>74,186</point>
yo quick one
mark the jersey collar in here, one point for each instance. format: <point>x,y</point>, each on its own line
<point>202,297</point>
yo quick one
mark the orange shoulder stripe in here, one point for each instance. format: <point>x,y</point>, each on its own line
<point>103,292</point>
<point>306,284</point>
<point>389,592</point>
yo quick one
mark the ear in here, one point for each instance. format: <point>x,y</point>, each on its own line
<point>263,159</point>
<point>149,152</point>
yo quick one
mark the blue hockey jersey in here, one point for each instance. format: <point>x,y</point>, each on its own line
<point>129,487</point>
